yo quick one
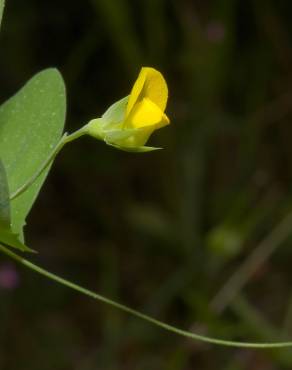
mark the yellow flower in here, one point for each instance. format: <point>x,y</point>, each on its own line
<point>128,123</point>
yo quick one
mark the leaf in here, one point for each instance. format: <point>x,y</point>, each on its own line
<point>1,10</point>
<point>4,200</point>
<point>31,124</point>
<point>7,237</point>
<point>10,239</point>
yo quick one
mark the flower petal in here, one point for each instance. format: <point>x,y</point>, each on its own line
<point>155,88</point>
<point>145,114</point>
<point>136,90</point>
<point>149,84</point>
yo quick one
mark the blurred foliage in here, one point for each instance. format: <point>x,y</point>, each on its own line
<point>164,232</point>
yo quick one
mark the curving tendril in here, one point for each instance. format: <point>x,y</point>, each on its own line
<point>138,314</point>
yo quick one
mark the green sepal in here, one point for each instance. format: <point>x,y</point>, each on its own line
<point>115,114</point>
<point>138,149</point>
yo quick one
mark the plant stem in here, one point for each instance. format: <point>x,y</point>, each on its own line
<point>138,314</point>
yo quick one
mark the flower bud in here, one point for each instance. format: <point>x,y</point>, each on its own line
<point>128,123</point>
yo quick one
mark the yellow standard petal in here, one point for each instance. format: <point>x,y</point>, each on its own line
<point>150,84</point>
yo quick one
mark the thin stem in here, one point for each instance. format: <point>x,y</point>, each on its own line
<point>138,314</point>
<point>76,134</point>
<point>63,141</point>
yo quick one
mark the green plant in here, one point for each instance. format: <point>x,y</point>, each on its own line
<point>31,127</point>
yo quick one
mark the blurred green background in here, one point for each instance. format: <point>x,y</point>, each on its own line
<point>199,234</point>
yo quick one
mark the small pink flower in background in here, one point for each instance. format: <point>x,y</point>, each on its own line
<point>215,31</point>
<point>9,277</point>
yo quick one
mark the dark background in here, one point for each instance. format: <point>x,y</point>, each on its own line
<point>197,234</point>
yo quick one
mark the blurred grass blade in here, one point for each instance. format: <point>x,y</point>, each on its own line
<point>31,124</point>
<point>1,10</point>
<point>118,22</point>
<point>2,2</point>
